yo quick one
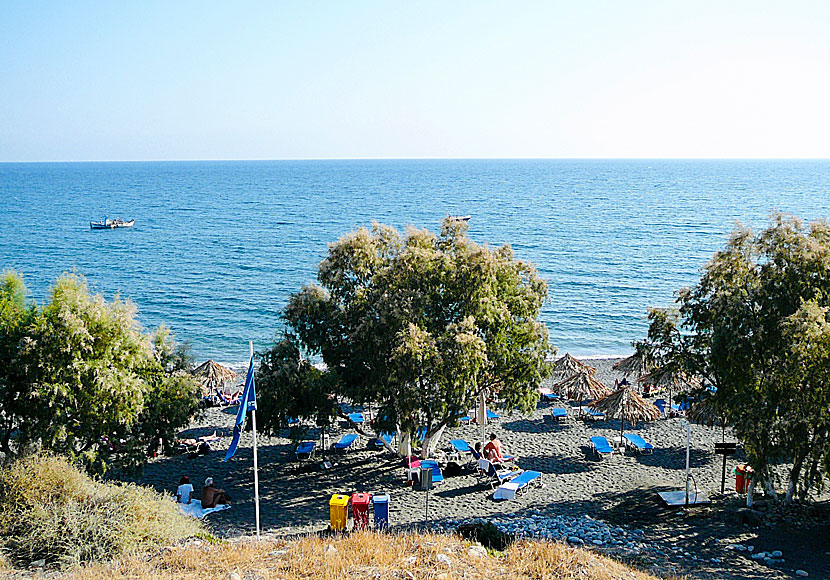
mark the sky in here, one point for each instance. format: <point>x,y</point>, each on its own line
<point>308,80</point>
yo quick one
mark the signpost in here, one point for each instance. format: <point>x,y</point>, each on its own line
<point>725,449</point>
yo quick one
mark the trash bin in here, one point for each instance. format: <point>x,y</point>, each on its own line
<point>426,478</point>
<point>380,503</point>
<point>339,511</point>
<point>743,474</point>
<point>360,510</point>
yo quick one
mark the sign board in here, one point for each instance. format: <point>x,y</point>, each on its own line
<point>726,448</point>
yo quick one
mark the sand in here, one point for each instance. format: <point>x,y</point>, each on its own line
<point>621,489</point>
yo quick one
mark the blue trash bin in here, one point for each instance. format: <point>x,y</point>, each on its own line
<point>381,508</point>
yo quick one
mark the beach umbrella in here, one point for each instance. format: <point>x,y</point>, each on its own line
<point>636,365</point>
<point>671,378</point>
<point>568,365</point>
<point>212,376</point>
<point>626,405</point>
<point>580,386</point>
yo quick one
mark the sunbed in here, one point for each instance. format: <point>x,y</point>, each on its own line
<point>660,404</point>
<point>356,418</point>
<point>492,416</point>
<point>520,483</point>
<point>388,437</point>
<point>638,443</point>
<point>463,417</point>
<point>437,476</point>
<point>559,414</point>
<point>593,414</point>
<point>421,434</point>
<point>345,443</point>
<point>601,446</point>
<point>550,397</point>
<point>305,450</point>
<point>497,476</point>
<point>293,421</point>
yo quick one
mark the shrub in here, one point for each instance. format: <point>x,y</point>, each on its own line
<point>51,510</point>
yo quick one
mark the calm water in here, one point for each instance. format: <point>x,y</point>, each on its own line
<point>218,246</point>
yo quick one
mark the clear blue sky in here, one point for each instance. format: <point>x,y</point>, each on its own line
<point>276,80</point>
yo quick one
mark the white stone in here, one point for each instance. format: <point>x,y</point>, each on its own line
<point>477,551</point>
<point>38,563</point>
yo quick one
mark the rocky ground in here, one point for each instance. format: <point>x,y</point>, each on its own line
<point>609,505</point>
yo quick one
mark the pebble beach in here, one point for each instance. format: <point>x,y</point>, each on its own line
<point>608,504</point>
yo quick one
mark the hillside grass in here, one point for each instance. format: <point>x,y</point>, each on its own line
<point>362,556</point>
<point>50,510</point>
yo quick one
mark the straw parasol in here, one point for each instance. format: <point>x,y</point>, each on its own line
<point>580,386</point>
<point>672,378</point>
<point>568,365</point>
<point>635,365</point>
<point>213,376</point>
<point>626,405</point>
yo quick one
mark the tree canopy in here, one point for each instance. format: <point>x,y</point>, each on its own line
<point>757,327</point>
<point>421,324</point>
<point>84,380</point>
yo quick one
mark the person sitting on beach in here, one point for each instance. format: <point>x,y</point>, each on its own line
<point>212,496</point>
<point>493,450</point>
<point>185,492</point>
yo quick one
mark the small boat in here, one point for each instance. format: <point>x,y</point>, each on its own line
<point>108,224</point>
<point>461,218</point>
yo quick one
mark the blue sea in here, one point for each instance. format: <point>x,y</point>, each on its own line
<point>218,246</point>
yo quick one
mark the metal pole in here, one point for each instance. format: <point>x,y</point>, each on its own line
<point>256,467</point>
<point>688,443</point>
<point>723,475</point>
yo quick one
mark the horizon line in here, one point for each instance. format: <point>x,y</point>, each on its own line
<point>228,160</point>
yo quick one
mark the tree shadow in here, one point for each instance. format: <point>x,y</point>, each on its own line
<point>554,464</point>
<point>524,426</point>
<point>673,457</point>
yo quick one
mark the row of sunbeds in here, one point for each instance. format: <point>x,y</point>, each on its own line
<point>602,448</point>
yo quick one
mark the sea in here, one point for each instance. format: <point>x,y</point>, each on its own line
<point>218,247</point>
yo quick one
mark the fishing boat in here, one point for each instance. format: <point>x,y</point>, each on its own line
<point>108,224</point>
<point>461,218</point>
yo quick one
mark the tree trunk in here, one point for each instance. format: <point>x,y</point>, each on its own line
<point>769,486</point>
<point>406,443</point>
<point>795,472</point>
<point>433,440</point>
<point>749,492</point>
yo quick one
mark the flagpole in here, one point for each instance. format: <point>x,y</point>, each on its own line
<point>256,467</point>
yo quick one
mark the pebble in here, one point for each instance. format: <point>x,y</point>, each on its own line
<point>750,548</point>
<point>759,556</point>
<point>801,573</point>
<point>776,553</point>
<point>38,563</point>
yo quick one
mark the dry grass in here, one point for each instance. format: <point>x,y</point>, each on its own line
<point>363,556</point>
<point>50,510</point>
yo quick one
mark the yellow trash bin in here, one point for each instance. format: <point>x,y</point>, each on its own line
<point>339,509</point>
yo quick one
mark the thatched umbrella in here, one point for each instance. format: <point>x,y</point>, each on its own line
<point>568,365</point>
<point>580,386</point>
<point>626,405</point>
<point>213,376</point>
<point>672,378</point>
<point>705,412</point>
<point>635,365</point>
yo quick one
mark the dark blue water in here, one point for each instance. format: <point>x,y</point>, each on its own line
<point>218,246</point>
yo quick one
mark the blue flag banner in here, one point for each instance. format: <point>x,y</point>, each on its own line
<point>248,403</point>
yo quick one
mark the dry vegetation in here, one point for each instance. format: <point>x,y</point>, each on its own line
<point>51,511</point>
<point>363,556</point>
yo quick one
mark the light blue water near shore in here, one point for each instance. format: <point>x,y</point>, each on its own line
<point>218,246</point>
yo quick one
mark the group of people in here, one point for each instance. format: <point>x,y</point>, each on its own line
<point>211,495</point>
<point>492,452</point>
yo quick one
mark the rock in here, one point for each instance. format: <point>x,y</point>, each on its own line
<point>776,553</point>
<point>750,548</point>
<point>234,576</point>
<point>801,573</point>
<point>759,556</point>
<point>715,560</point>
<point>443,559</point>
<point>477,551</point>
<point>748,517</point>
<point>576,540</point>
<point>598,542</point>
<point>330,550</point>
<point>38,563</point>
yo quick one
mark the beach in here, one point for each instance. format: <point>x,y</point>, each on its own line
<point>620,491</point>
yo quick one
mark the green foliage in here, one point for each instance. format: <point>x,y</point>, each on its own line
<point>50,510</point>
<point>756,326</point>
<point>289,386</point>
<point>81,378</point>
<point>422,324</point>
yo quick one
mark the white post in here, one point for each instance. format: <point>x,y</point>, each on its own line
<point>482,417</point>
<point>256,467</point>
<point>688,442</point>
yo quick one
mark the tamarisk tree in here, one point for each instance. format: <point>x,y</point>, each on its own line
<point>421,324</point>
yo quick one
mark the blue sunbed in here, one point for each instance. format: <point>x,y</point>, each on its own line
<point>634,440</point>
<point>388,437</point>
<point>660,404</point>
<point>305,450</point>
<point>520,483</point>
<point>601,446</point>
<point>491,416</point>
<point>463,417</point>
<point>345,443</point>
<point>293,421</point>
<point>437,476</point>
<point>593,413</point>
<point>499,476</point>
<point>460,445</point>
<point>550,397</point>
<point>356,418</point>
<point>559,413</point>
